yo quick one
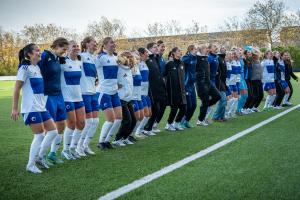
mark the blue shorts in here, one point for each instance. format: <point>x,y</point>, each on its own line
<point>91,102</point>
<point>56,107</point>
<point>109,101</point>
<point>137,105</point>
<point>233,88</point>
<point>243,85</point>
<point>284,84</point>
<point>36,117</point>
<point>269,86</point>
<point>146,101</point>
<point>228,92</point>
<point>70,106</point>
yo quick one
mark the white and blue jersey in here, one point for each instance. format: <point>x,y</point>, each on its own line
<point>144,70</point>
<point>126,83</point>
<point>89,74</point>
<point>107,69</point>
<point>137,88</point>
<point>33,105</point>
<point>268,71</point>
<point>70,80</point>
<point>281,74</point>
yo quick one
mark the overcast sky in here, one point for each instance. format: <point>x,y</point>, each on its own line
<point>135,14</point>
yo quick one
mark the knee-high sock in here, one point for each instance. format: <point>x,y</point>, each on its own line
<point>142,124</point>
<point>91,132</point>
<point>135,130</point>
<point>242,102</point>
<point>285,98</point>
<point>233,105</point>
<point>267,102</point>
<point>68,134</point>
<point>116,125</point>
<point>34,147</point>
<point>228,105</point>
<point>56,142</point>
<point>75,138</point>
<point>272,100</point>
<point>105,130</point>
<point>88,125</point>
<point>48,139</point>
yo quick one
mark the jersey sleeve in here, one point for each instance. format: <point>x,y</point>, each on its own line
<point>22,73</point>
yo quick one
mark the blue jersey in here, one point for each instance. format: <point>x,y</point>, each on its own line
<point>214,65</point>
<point>107,69</point>
<point>50,69</point>
<point>145,78</point>
<point>190,62</point>
<point>162,65</point>
<point>89,74</point>
<point>137,83</point>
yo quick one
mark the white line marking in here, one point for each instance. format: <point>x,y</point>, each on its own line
<point>146,179</point>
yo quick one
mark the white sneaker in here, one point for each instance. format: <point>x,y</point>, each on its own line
<point>118,143</point>
<point>244,111</point>
<point>43,162</point>
<point>155,128</point>
<point>80,152</point>
<point>288,103</point>
<point>149,133</point>
<point>278,107</point>
<point>201,123</point>
<point>127,141</point>
<point>33,169</point>
<point>74,153</point>
<point>140,136</point>
<point>66,155</point>
<point>88,151</point>
<point>170,127</point>
<point>177,126</point>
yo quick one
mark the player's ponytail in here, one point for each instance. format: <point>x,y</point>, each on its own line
<point>24,58</point>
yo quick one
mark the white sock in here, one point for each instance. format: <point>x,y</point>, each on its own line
<point>34,147</point>
<point>142,124</point>
<point>229,102</point>
<point>233,105</point>
<point>272,100</point>
<point>68,133</point>
<point>285,98</point>
<point>88,125</point>
<point>104,131</point>
<point>267,101</point>
<point>91,132</point>
<point>56,142</point>
<point>115,127</point>
<point>135,130</point>
<point>50,136</point>
<point>75,138</point>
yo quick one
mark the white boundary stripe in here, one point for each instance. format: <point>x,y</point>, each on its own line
<point>146,179</point>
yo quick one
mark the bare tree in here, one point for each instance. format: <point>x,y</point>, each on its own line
<point>105,27</point>
<point>155,29</point>
<point>195,28</point>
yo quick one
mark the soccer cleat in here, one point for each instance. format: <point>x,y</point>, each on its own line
<point>88,151</point>
<point>177,126</point>
<point>148,133</point>
<point>43,162</point>
<point>80,152</point>
<point>255,109</point>
<point>140,136</point>
<point>33,169</point>
<point>170,127</point>
<point>188,125</point>
<point>54,159</point>
<point>74,153</point>
<point>127,141</point>
<point>278,107</point>
<point>155,128</point>
<point>108,145</point>
<point>102,146</point>
<point>66,155</point>
<point>201,123</point>
<point>132,139</point>
<point>118,143</point>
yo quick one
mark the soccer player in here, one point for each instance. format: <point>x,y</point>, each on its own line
<point>110,104</point>
<point>90,97</point>
<point>71,90</point>
<point>50,66</point>
<point>268,79</point>
<point>33,107</point>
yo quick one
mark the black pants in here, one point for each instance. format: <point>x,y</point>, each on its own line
<point>128,122</point>
<point>258,93</point>
<point>279,94</point>
<point>209,96</point>
<point>291,89</point>
<point>161,112</point>
<point>177,111</point>
<point>156,112</point>
<point>249,101</point>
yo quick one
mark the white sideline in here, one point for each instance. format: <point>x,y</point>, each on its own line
<point>146,179</point>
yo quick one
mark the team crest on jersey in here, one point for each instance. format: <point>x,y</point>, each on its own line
<point>49,59</point>
<point>33,119</point>
<point>67,106</point>
<point>70,67</point>
<point>88,58</point>
<point>108,61</point>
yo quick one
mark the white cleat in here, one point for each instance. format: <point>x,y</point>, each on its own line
<point>118,143</point>
<point>88,151</point>
<point>140,136</point>
<point>177,126</point>
<point>201,123</point>
<point>80,152</point>
<point>149,133</point>
<point>74,153</point>
<point>127,141</point>
<point>66,155</point>
<point>155,128</point>
<point>170,127</point>
<point>33,169</point>
<point>43,162</point>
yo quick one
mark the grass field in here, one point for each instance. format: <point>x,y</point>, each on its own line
<point>262,165</point>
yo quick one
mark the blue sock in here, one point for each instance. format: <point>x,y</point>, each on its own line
<point>242,101</point>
